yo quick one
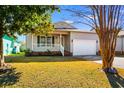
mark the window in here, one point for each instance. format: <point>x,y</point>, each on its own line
<point>42,41</point>
<point>49,41</point>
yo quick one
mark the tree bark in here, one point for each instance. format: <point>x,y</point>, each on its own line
<point>107,49</point>
<point>1,50</point>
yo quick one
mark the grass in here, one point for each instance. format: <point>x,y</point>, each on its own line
<point>18,54</point>
<point>57,72</point>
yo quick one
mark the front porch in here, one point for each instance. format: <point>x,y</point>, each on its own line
<point>52,44</point>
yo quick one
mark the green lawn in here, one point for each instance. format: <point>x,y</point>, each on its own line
<point>57,72</point>
<point>18,54</point>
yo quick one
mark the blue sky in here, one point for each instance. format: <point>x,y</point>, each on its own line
<point>67,16</point>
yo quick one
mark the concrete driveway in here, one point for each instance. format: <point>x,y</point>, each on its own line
<point>118,61</point>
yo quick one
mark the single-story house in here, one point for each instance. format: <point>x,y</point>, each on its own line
<point>9,44</point>
<point>68,40</point>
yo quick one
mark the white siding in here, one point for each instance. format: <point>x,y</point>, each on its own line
<point>29,41</point>
<point>120,44</point>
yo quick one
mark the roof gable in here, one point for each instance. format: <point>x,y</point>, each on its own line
<point>8,38</point>
<point>63,25</point>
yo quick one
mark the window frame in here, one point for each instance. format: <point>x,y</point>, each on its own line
<point>45,41</point>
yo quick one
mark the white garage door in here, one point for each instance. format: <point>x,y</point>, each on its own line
<point>84,47</point>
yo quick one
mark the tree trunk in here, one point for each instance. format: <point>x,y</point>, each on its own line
<point>107,48</point>
<point>1,50</point>
<point>107,64</point>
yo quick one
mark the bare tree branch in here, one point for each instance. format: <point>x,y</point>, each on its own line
<point>107,20</point>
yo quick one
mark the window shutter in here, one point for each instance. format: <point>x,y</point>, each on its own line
<point>53,40</point>
<point>38,41</point>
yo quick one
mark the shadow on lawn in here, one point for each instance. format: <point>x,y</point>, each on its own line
<point>115,80</point>
<point>9,77</point>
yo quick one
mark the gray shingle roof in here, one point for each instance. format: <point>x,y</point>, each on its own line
<point>63,25</point>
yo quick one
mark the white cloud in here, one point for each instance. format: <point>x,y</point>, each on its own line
<point>69,21</point>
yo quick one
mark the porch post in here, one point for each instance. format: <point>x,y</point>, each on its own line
<point>51,41</point>
<point>45,41</point>
<point>32,42</point>
<point>60,38</point>
<point>60,46</point>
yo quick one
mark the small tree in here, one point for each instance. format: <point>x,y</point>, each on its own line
<point>106,20</point>
<point>23,20</point>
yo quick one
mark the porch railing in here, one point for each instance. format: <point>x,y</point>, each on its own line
<point>48,47</point>
<point>62,49</point>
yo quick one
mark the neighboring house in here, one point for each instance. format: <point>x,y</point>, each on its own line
<point>65,38</point>
<point>9,44</point>
<point>120,43</point>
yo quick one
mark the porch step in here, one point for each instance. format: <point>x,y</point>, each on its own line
<point>67,53</point>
